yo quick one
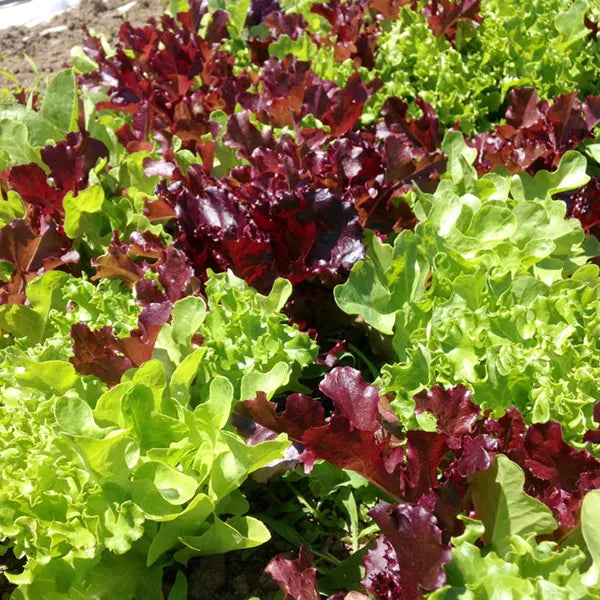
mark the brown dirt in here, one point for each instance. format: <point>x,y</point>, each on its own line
<point>50,51</point>
<point>236,575</point>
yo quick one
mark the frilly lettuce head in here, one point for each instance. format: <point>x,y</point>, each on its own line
<point>492,290</point>
<point>539,43</point>
<point>102,487</point>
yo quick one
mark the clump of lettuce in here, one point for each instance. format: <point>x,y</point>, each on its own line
<point>542,43</point>
<point>510,559</point>
<point>239,334</point>
<point>56,301</point>
<point>102,487</point>
<point>492,291</point>
<point>509,547</point>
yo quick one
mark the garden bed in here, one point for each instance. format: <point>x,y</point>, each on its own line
<point>303,295</point>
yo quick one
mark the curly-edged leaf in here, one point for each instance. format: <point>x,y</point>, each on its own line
<point>297,578</point>
<point>444,15</point>
<point>139,347</point>
<point>453,409</point>
<point>413,533</point>
<point>353,397</point>
<point>590,528</point>
<point>69,163</point>
<point>382,571</point>
<point>31,254</point>
<point>95,354</point>
<point>345,447</point>
<point>301,413</point>
<point>537,133</point>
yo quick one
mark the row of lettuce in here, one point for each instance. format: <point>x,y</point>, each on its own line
<point>255,236</point>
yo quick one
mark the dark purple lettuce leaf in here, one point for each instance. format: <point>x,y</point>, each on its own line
<point>259,9</point>
<point>593,26</point>
<point>559,475</point>
<point>69,163</point>
<point>262,230</point>
<point>297,578</point>
<point>412,532</point>
<point>555,473</point>
<point>584,204</point>
<point>444,16</point>
<point>297,210</point>
<point>31,254</point>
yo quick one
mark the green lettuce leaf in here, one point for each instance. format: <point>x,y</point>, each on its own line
<point>492,291</point>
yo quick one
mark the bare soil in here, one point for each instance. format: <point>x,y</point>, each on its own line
<point>49,50</point>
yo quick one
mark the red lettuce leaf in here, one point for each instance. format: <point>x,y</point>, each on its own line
<point>69,164</point>
<point>116,264</point>
<point>154,77</point>
<point>355,37</point>
<point>559,475</point>
<point>31,254</point>
<point>444,15</point>
<point>301,413</point>
<point>536,136</point>
<point>584,204</point>
<point>95,354</point>
<point>297,578</point>
<point>353,397</point>
<point>138,348</point>
<point>174,274</point>
<point>537,133</point>
<point>382,571</point>
<point>455,412</point>
<point>432,468</point>
<point>106,356</point>
<point>413,533</point>
<point>358,450</point>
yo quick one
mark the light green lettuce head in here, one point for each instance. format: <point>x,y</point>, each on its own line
<point>100,488</point>
<point>491,290</point>
<point>538,43</point>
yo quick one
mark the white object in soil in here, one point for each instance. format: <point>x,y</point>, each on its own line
<point>31,12</point>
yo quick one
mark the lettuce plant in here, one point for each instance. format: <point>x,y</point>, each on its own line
<point>491,290</point>
<point>103,487</point>
<point>543,44</point>
<point>496,551</point>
